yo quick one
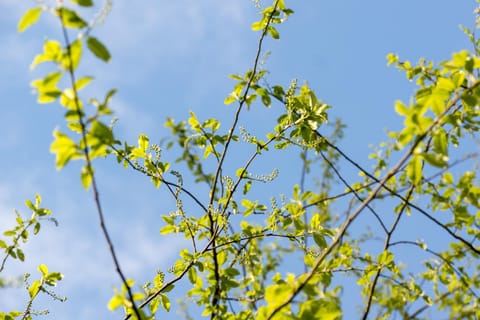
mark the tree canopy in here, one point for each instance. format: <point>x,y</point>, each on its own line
<point>338,239</point>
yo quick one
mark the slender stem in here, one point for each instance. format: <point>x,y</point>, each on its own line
<point>349,187</point>
<point>89,166</point>
<point>243,99</point>
<point>385,248</point>
<point>381,184</point>
<point>303,174</point>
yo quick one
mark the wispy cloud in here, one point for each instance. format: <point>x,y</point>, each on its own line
<point>148,40</point>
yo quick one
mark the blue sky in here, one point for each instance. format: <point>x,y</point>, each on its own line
<point>169,57</point>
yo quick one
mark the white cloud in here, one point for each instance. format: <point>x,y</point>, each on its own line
<point>143,39</point>
<point>158,34</point>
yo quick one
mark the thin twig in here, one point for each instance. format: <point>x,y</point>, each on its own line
<point>385,249</point>
<point>89,166</point>
<point>381,184</point>
<point>214,232</point>
<point>349,187</point>
<point>243,99</point>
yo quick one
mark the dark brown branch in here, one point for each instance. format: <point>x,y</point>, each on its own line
<point>396,194</point>
<point>349,187</point>
<point>166,182</point>
<point>463,279</point>
<point>89,166</point>
<point>385,248</point>
<point>243,99</point>
<point>372,195</point>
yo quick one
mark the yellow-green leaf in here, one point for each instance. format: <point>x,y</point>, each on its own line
<point>230,99</point>
<point>193,121</point>
<point>82,82</point>
<point>414,169</point>
<point>52,51</point>
<point>165,302</point>
<point>64,148</point>
<point>34,288</point>
<point>258,25</point>
<point>43,269</point>
<point>401,108</point>
<point>143,142</point>
<point>29,18</point>
<point>115,302</point>
<point>86,177</point>
<point>71,58</point>
<point>71,19</point>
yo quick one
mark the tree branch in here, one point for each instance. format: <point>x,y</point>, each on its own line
<point>89,166</point>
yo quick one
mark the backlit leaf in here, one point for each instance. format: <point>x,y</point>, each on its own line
<point>29,18</point>
<point>70,18</point>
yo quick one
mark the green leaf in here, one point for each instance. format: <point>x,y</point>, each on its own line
<point>273,32</point>
<point>36,228</point>
<point>20,255</point>
<point>83,3</point>
<point>52,278</point>
<point>43,269</point>
<point>102,132</point>
<point>192,275</point>
<point>165,302</point>
<point>98,49</point>
<point>208,151</point>
<point>277,294</point>
<point>401,109</point>
<point>64,148</point>
<point>71,19</point>
<point>447,178</point>
<point>72,60</point>
<point>436,160</point>
<point>143,142</point>
<point>263,93</point>
<point>38,200</point>
<point>154,305</point>
<point>29,205</point>
<point>47,87</point>
<point>230,99</point>
<point>82,82</point>
<point>86,177</point>
<point>9,233</point>
<point>323,309</point>
<point>115,302</point>
<point>320,240</point>
<point>385,258</point>
<point>52,51</point>
<point>440,142</point>
<point>48,96</point>
<point>258,25</point>
<point>241,172</point>
<point>168,229</point>
<point>414,169</point>
<point>29,18</point>
<point>249,206</point>
<point>34,288</point>
<point>247,187</point>
<point>193,121</point>
<point>68,100</point>
<point>391,59</point>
